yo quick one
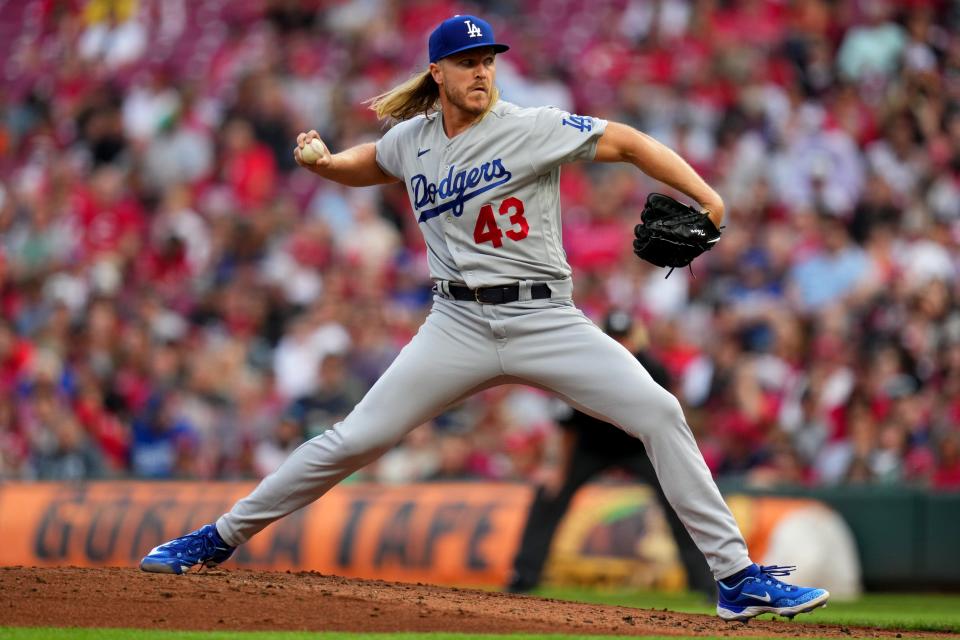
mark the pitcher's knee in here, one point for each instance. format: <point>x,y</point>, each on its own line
<point>668,408</point>
<point>660,412</point>
<point>354,445</point>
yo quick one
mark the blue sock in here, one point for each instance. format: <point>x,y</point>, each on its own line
<point>730,581</point>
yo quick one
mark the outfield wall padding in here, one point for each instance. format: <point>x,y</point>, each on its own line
<point>908,538</point>
<point>450,533</point>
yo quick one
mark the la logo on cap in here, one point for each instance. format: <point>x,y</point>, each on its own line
<point>450,37</point>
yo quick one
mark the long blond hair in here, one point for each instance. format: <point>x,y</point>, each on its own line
<point>419,94</point>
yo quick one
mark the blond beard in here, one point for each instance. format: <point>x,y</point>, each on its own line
<point>461,104</point>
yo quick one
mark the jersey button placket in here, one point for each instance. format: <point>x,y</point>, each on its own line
<point>448,219</point>
<point>444,168</point>
<point>448,216</point>
<point>448,228</point>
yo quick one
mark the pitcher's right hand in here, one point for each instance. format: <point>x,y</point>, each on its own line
<point>309,154</point>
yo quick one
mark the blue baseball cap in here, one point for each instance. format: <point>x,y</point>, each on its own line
<point>460,33</point>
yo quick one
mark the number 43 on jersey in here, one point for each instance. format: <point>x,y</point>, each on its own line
<point>487,229</point>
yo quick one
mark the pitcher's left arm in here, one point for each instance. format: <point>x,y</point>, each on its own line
<point>623,143</point>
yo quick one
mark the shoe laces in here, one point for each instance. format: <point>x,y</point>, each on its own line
<point>201,545</point>
<point>768,571</point>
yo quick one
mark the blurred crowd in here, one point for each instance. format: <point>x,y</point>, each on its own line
<point>180,301</point>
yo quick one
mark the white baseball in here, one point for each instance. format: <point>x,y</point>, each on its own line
<point>312,151</point>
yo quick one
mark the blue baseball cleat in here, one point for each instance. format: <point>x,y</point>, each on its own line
<point>757,591</point>
<point>203,546</point>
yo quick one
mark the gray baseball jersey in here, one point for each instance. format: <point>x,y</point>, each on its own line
<point>487,200</point>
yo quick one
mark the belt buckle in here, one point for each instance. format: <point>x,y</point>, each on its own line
<point>476,296</point>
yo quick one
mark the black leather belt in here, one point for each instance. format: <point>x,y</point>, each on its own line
<point>497,295</point>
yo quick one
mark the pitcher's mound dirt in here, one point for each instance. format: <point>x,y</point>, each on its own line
<point>239,599</point>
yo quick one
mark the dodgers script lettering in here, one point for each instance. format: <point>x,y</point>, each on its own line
<point>455,185</point>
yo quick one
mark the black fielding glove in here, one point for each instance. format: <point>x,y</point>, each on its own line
<point>672,234</point>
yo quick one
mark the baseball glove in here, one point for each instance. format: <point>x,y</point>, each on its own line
<point>672,234</point>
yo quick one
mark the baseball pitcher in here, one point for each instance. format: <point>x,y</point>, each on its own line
<point>482,176</point>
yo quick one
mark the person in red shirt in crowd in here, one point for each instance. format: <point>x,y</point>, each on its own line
<point>249,167</point>
<point>947,474</point>
<point>15,357</point>
<point>164,264</point>
<point>14,447</point>
<point>111,221</point>
<point>109,432</point>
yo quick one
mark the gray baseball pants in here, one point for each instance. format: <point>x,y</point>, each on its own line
<point>466,346</point>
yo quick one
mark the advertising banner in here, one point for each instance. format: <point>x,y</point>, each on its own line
<point>456,533</point>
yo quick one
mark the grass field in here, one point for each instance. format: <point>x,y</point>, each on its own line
<point>918,612</point>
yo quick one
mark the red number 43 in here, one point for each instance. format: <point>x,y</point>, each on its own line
<point>487,229</point>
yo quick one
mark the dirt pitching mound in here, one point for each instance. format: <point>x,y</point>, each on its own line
<point>249,600</point>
